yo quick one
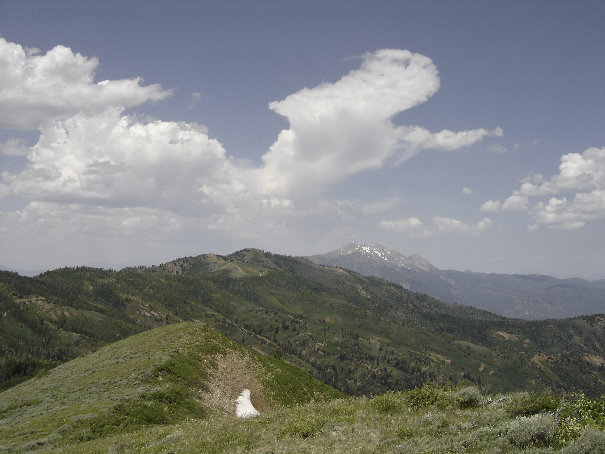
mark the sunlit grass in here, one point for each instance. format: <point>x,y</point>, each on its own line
<point>394,422</point>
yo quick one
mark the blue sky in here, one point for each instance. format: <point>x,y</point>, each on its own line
<point>469,132</point>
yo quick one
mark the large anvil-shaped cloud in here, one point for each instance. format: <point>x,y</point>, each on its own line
<point>338,129</point>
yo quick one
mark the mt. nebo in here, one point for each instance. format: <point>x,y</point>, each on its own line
<point>381,254</point>
<point>522,296</point>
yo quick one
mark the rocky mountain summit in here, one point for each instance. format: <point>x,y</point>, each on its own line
<point>380,254</point>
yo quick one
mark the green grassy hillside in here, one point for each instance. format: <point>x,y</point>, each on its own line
<point>362,335</point>
<point>163,376</point>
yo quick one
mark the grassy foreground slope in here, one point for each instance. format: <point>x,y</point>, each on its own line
<point>162,376</point>
<point>359,334</point>
<point>421,421</point>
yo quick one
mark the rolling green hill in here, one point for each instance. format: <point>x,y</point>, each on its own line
<point>163,376</point>
<point>362,335</point>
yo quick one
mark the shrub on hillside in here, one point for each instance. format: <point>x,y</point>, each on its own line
<point>428,395</point>
<point>526,404</point>
<point>591,441</point>
<point>578,412</point>
<point>531,431</point>
<point>304,426</point>
<point>468,397</point>
<point>405,433</point>
<point>389,402</point>
<point>435,421</point>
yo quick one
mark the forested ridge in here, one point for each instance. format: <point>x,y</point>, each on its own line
<point>362,335</point>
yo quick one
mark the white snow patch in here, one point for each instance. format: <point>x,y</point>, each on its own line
<point>244,407</point>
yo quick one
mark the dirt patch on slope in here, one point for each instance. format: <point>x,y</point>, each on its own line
<point>507,336</point>
<point>542,360</point>
<point>438,357</point>
<point>233,373</point>
<point>595,360</point>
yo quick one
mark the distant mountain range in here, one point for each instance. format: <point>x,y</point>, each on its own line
<point>531,297</point>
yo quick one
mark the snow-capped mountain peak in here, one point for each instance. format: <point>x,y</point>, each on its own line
<point>379,253</point>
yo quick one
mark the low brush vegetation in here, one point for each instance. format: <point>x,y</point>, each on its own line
<point>426,420</point>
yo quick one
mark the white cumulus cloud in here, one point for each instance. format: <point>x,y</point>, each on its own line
<point>414,227</point>
<point>578,190</point>
<point>109,159</point>
<point>411,225</point>
<point>445,139</point>
<point>336,129</point>
<point>444,224</point>
<point>58,84</point>
<point>94,165</point>
<point>515,202</point>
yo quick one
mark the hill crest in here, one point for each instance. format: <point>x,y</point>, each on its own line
<point>163,375</point>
